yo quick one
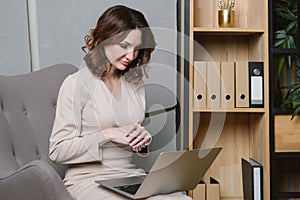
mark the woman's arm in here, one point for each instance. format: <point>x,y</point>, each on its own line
<point>67,144</point>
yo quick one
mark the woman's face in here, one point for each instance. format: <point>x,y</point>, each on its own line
<point>120,55</point>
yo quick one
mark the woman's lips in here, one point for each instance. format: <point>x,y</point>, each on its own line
<point>126,63</point>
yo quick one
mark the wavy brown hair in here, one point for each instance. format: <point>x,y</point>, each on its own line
<point>112,27</point>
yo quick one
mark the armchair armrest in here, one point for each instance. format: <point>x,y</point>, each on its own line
<point>36,180</point>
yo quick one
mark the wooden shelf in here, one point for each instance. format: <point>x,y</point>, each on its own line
<point>235,110</point>
<point>228,31</point>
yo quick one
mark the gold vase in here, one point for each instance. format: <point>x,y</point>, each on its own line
<point>226,18</point>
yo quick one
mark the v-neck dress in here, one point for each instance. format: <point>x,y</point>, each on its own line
<point>85,107</point>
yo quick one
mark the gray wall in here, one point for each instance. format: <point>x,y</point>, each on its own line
<point>62,24</point>
<point>40,33</point>
<point>14,48</point>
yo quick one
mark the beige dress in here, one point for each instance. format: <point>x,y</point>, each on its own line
<point>85,106</point>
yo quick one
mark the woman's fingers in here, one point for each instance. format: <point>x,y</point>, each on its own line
<point>140,141</point>
<point>136,136</point>
<point>137,131</point>
<point>129,129</point>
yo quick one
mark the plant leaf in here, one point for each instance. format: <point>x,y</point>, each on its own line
<point>289,61</point>
<point>296,111</point>
<point>280,31</point>
<point>291,42</point>
<point>280,64</point>
<point>291,25</point>
<point>280,35</point>
<point>278,43</point>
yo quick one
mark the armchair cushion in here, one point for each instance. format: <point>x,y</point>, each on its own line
<point>36,180</point>
<point>27,111</point>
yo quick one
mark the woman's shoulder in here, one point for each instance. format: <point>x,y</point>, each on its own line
<point>140,83</point>
<point>70,79</point>
<point>79,77</point>
<point>134,85</point>
<point>133,82</point>
<point>74,84</point>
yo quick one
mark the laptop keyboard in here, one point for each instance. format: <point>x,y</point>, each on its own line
<point>131,189</point>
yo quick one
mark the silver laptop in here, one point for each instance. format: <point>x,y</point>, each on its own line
<point>171,172</point>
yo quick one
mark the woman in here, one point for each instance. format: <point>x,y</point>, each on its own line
<point>100,108</point>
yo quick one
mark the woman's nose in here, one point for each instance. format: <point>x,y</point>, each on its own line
<point>130,55</point>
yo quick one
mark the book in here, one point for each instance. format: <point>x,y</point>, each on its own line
<point>252,174</point>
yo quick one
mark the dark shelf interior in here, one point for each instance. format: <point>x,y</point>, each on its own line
<point>281,111</point>
<point>284,195</point>
<point>287,155</point>
<point>284,166</point>
<point>284,51</point>
<point>286,175</point>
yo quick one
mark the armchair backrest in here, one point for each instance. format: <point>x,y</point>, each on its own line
<point>27,110</point>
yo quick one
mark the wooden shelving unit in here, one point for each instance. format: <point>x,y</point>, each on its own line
<point>242,132</point>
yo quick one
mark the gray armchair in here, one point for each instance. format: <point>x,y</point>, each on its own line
<point>27,109</point>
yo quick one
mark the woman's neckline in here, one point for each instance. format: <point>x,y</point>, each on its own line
<point>114,88</point>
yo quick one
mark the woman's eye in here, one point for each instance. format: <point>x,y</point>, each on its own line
<point>124,46</point>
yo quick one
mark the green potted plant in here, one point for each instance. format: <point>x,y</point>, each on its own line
<point>286,37</point>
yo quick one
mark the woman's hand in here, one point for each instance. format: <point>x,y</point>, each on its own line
<point>138,137</point>
<point>134,135</point>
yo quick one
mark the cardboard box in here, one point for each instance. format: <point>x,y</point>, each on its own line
<point>207,191</point>
<point>287,133</point>
<point>199,191</point>
<point>213,190</point>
